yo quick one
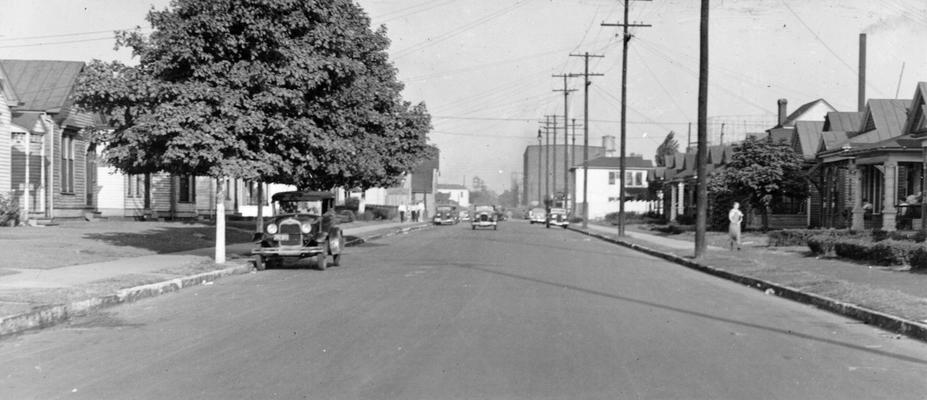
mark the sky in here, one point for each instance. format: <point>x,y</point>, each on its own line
<point>484,67</point>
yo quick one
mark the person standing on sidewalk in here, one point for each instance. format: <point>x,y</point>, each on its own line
<point>736,217</point>
<point>402,212</point>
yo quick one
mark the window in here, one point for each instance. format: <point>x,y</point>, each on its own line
<point>187,190</point>
<point>611,178</point>
<point>628,178</point>
<point>67,164</point>
<point>135,187</point>
<point>639,178</point>
<point>252,192</point>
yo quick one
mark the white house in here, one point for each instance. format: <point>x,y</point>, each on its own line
<point>458,193</point>
<point>605,183</point>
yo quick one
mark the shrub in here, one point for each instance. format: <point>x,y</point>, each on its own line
<point>9,210</point>
<point>855,249</point>
<point>670,229</point>
<point>685,219</point>
<point>893,252</point>
<point>345,216</point>
<point>790,237</point>
<point>918,259</point>
<point>822,244</point>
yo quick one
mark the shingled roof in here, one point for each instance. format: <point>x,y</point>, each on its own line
<point>42,85</point>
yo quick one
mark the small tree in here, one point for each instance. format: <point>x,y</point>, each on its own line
<point>758,172</point>
<point>668,148</point>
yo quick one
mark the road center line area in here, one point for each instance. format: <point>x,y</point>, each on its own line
<point>522,312</point>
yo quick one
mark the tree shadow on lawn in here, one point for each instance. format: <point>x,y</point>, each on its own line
<point>169,239</point>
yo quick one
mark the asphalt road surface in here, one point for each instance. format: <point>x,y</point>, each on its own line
<point>450,313</point>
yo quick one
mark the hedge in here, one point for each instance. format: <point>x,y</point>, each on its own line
<point>884,252</point>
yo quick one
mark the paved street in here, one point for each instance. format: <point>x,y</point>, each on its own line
<point>450,313</point>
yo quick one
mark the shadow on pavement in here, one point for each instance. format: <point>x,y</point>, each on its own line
<point>169,240</point>
<point>696,313</point>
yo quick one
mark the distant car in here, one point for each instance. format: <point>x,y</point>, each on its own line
<point>537,215</point>
<point>304,225</point>
<point>464,215</point>
<point>445,215</point>
<point>558,217</point>
<point>483,217</point>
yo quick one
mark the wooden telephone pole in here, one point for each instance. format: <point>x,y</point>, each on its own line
<point>586,84</point>
<point>624,107</point>
<point>566,133</point>
<point>701,189</point>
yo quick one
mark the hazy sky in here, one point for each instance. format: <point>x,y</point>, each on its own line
<point>484,66</point>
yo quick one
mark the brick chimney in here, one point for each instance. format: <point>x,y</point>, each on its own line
<point>783,113</point>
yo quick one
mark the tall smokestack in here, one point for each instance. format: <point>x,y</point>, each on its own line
<point>783,111</point>
<point>862,72</point>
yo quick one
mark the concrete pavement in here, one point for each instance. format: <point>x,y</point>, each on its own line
<point>54,295</point>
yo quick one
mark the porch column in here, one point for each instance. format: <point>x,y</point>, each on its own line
<point>889,197</point>
<point>672,210</point>
<point>856,184</point>
<point>680,205</point>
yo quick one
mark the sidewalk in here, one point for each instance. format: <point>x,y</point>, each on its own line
<point>889,297</point>
<point>36,298</point>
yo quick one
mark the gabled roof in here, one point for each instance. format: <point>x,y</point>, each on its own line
<point>843,121</point>
<point>799,113</point>
<point>636,162</point>
<point>807,137</point>
<point>917,115</point>
<point>883,120</point>
<point>42,85</point>
<point>832,140</point>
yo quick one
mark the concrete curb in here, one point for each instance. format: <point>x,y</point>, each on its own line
<point>51,315</point>
<point>882,320</point>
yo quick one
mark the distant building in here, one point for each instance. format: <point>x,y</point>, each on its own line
<point>605,183</point>
<point>458,193</point>
<point>534,179</point>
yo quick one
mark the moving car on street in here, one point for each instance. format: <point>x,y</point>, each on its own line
<point>484,217</point>
<point>558,217</point>
<point>445,215</point>
<point>537,215</point>
<point>303,226</point>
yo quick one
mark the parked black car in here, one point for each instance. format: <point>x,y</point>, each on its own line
<point>304,225</point>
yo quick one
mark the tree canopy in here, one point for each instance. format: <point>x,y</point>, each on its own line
<point>669,147</point>
<point>759,171</point>
<point>288,91</point>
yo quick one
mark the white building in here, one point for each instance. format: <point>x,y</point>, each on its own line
<point>605,185</point>
<point>458,193</point>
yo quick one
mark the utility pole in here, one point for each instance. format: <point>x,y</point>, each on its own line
<point>540,199</point>
<point>701,189</point>
<point>546,159</point>
<point>566,146</point>
<point>573,154</point>
<point>624,107</point>
<point>553,162</point>
<point>586,84</point>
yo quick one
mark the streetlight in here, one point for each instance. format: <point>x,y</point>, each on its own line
<point>539,166</point>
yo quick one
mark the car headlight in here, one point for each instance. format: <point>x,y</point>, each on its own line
<point>305,227</point>
<point>272,229</point>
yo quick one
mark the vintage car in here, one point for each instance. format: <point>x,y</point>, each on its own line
<point>559,217</point>
<point>483,217</point>
<point>303,225</point>
<point>537,215</point>
<point>445,215</point>
<point>464,215</point>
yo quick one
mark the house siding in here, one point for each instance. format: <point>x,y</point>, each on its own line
<point>5,147</point>
<point>71,204</point>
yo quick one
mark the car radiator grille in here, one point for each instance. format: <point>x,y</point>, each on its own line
<point>295,233</point>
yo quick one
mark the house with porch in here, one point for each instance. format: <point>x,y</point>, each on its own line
<point>604,185</point>
<point>883,159</point>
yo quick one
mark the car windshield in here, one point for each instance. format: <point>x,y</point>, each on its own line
<point>484,209</point>
<point>298,207</point>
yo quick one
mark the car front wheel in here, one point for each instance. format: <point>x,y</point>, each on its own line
<point>335,247</point>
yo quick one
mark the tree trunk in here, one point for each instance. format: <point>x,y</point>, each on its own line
<point>260,207</point>
<point>362,204</point>
<point>220,221</point>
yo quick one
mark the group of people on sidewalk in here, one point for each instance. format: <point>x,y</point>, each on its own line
<point>414,212</point>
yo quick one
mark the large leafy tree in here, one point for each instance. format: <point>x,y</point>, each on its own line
<point>288,91</point>
<point>667,148</point>
<point>757,173</point>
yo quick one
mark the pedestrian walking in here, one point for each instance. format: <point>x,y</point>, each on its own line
<point>736,217</point>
